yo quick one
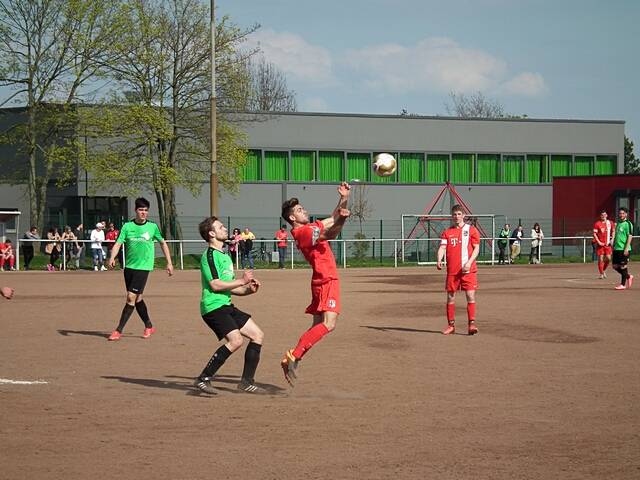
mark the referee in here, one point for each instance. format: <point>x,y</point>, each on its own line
<point>138,235</point>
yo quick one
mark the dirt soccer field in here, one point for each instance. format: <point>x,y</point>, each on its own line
<point>549,388</point>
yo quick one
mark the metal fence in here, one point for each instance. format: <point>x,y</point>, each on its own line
<point>348,252</point>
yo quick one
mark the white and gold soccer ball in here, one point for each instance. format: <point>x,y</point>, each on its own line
<point>384,164</point>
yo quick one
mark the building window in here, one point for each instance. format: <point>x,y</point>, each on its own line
<point>252,166</point>
<point>537,166</point>
<point>411,168</point>
<point>330,166</point>
<point>512,169</point>
<point>437,168</point>
<point>275,166</point>
<point>488,168</point>
<point>560,165</point>
<point>583,165</point>
<point>358,166</point>
<point>462,168</point>
<point>606,165</point>
<point>302,166</point>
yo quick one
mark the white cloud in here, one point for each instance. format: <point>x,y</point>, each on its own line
<point>437,64</point>
<point>528,84</point>
<point>296,58</point>
<point>314,104</point>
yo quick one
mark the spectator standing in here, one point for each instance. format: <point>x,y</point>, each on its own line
<point>516,240</point>
<point>247,238</point>
<point>282,236</point>
<point>28,248</point>
<point>503,242</point>
<point>52,248</point>
<point>234,244</point>
<point>110,239</point>
<point>77,253</point>
<point>7,255</point>
<point>69,239</point>
<point>536,243</point>
<point>97,237</point>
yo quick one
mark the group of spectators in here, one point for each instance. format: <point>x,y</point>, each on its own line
<point>74,246</point>
<point>514,240</point>
<point>240,244</point>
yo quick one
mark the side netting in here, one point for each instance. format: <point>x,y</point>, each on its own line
<point>421,236</point>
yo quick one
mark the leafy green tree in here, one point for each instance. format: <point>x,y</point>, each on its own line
<point>631,163</point>
<point>49,50</point>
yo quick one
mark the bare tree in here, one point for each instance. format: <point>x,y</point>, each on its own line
<point>268,90</point>
<point>360,208</point>
<point>475,105</point>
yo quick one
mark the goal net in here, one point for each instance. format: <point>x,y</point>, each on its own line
<point>421,236</point>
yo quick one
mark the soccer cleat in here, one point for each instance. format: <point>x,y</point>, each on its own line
<point>472,328</point>
<point>204,385</point>
<point>451,328</point>
<point>115,335</point>
<point>148,332</point>
<point>629,281</point>
<point>289,366</point>
<point>621,287</point>
<point>250,387</point>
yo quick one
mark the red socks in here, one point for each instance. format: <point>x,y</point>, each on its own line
<point>605,264</point>
<point>451,312</point>
<point>309,339</point>
<point>471,311</point>
<point>600,267</point>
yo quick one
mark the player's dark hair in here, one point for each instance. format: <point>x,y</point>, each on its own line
<point>623,209</point>
<point>8,240</point>
<point>142,202</point>
<point>287,208</point>
<point>206,226</point>
<point>457,208</point>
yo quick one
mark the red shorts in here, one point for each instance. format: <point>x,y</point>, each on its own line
<point>604,250</point>
<point>325,298</point>
<point>461,281</point>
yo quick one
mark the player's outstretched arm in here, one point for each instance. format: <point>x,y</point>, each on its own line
<point>333,225</point>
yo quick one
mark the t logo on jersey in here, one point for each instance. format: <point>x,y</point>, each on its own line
<point>454,241</point>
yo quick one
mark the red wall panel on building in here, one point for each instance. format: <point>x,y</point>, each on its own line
<point>577,201</point>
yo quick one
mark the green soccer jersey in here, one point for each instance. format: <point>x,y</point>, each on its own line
<point>623,230</point>
<point>215,264</point>
<point>138,244</point>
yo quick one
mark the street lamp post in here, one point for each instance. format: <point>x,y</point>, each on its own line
<point>213,194</point>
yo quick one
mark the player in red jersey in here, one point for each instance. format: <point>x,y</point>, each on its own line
<point>461,245</point>
<point>603,232</point>
<point>311,240</point>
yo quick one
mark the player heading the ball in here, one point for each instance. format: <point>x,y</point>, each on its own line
<point>461,245</point>
<point>311,239</point>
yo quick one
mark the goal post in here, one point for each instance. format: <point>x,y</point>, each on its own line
<point>425,230</point>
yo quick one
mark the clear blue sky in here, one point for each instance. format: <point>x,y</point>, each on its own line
<point>543,58</point>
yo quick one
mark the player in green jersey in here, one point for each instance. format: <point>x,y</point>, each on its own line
<point>226,321</point>
<point>138,236</point>
<point>622,248</point>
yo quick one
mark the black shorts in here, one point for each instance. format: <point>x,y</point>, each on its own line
<point>619,258</point>
<point>135,280</point>
<point>225,319</point>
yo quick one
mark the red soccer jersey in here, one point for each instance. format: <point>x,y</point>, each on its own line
<point>317,252</point>
<point>604,231</point>
<point>460,242</point>
<point>282,238</point>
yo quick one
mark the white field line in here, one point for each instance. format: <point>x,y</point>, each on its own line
<point>21,382</point>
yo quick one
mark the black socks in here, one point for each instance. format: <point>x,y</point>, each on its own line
<point>251,359</point>
<point>216,361</point>
<point>141,308</point>
<point>124,317</point>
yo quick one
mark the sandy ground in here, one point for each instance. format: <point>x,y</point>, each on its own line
<point>548,389</point>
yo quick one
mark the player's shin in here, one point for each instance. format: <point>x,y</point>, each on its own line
<point>141,308</point>
<point>309,339</point>
<point>471,311</point>
<point>451,313</point>
<point>251,360</point>
<point>216,361</point>
<point>124,316</point>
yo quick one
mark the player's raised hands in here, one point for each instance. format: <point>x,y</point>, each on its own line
<point>254,285</point>
<point>344,189</point>
<point>344,213</point>
<point>6,292</point>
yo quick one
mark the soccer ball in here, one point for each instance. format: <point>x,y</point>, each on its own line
<point>384,164</point>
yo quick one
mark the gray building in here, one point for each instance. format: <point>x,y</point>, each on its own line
<point>500,166</point>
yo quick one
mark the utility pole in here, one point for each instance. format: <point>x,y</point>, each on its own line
<point>214,166</point>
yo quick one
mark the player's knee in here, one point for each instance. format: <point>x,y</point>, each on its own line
<point>235,342</point>
<point>257,336</point>
<point>330,323</point>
